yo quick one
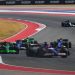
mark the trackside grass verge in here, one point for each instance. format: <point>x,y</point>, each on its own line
<point>9,28</point>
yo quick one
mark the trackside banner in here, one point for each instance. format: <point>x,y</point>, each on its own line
<point>32,2</point>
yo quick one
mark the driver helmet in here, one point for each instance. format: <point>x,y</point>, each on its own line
<point>59,40</point>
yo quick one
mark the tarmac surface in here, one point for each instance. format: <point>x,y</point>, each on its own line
<point>4,72</point>
<point>52,32</point>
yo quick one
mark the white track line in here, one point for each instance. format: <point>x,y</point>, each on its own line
<point>1,62</point>
<point>41,27</point>
<point>34,11</point>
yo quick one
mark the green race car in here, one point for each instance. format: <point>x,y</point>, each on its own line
<point>8,48</point>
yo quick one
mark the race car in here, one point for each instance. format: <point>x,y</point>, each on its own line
<point>25,43</point>
<point>39,50</point>
<point>67,23</point>
<point>65,42</point>
<point>8,48</point>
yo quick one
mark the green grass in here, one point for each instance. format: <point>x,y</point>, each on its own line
<point>9,28</point>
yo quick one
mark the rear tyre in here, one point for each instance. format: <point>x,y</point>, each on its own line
<point>29,53</point>
<point>64,56</point>
<point>65,50</point>
<point>70,45</point>
<point>40,52</point>
<point>62,25</point>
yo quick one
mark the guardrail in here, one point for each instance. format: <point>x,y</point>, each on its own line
<point>32,2</point>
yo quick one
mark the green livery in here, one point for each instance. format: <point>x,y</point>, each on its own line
<point>7,51</point>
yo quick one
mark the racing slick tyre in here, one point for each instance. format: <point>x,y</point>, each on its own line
<point>66,44</point>
<point>67,53</point>
<point>62,25</point>
<point>32,51</point>
<point>41,52</point>
<point>70,45</point>
<point>17,52</point>
<point>29,53</point>
<point>64,56</point>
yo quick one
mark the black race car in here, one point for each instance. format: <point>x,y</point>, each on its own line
<point>39,50</point>
<point>67,23</point>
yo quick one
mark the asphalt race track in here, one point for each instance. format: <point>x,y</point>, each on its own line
<point>52,32</point>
